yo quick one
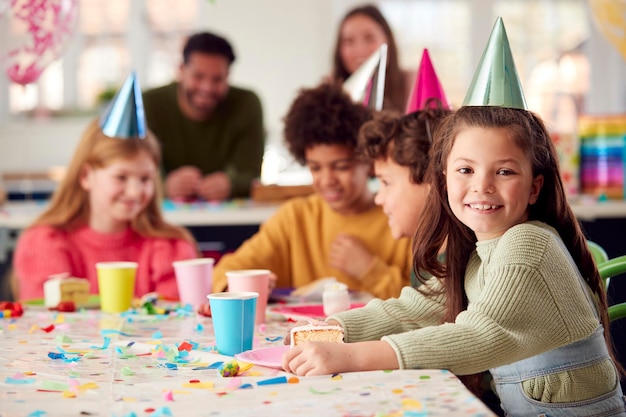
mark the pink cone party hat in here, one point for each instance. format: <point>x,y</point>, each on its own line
<point>426,86</point>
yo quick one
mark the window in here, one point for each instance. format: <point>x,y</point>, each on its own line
<point>547,48</point>
<point>104,49</point>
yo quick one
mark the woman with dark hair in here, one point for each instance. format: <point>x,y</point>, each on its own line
<point>361,32</point>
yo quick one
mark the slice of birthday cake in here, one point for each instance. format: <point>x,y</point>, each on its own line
<point>316,331</point>
<point>62,287</point>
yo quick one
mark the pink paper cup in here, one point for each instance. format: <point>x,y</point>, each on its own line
<point>255,280</point>
<point>194,279</point>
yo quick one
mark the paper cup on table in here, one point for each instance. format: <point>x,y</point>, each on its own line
<point>194,279</point>
<point>233,320</point>
<point>116,285</point>
<point>255,280</point>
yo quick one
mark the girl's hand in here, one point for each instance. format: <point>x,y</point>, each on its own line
<point>348,254</point>
<point>323,358</point>
<point>318,358</point>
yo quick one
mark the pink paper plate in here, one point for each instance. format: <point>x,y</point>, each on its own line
<point>270,357</point>
<point>312,310</point>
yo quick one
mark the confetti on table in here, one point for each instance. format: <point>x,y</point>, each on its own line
<point>185,346</point>
<point>126,371</point>
<point>62,338</point>
<point>199,385</point>
<point>54,386</point>
<point>161,412</point>
<point>273,381</point>
<point>168,395</point>
<point>19,379</point>
<point>48,329</point>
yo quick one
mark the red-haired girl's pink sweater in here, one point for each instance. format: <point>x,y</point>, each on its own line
<point>43,251</point>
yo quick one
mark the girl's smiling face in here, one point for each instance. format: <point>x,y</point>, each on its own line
<point>119,191</point>
<point>489,181</point>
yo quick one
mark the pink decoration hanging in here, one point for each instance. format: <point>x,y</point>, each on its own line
<point>39,30</point>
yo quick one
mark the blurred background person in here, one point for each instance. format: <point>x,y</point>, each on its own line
<point>361,32</point>
<point>211,132</point>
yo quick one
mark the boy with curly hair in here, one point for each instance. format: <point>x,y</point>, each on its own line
<point>338,231</point>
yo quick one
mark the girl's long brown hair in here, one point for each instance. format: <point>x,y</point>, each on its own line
<point>438,225</point>
<point>396,89</point>
<point>69,207</point>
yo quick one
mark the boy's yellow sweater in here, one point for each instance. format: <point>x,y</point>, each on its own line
<point>295,242</point>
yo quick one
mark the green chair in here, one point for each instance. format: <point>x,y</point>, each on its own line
<point>598,252</point>
<point>613,268</point>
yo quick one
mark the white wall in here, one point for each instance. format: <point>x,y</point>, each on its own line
<point>281,46</point>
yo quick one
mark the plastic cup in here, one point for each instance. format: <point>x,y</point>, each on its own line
<point>255,280</point>
<point>233,320</point>
<point>194,279</point>
<point>116,285</point>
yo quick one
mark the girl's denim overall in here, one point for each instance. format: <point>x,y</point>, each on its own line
<point>508,382</point>
<point>508,379</point>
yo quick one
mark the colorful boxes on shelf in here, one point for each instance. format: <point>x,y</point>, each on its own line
<point>603,155</point>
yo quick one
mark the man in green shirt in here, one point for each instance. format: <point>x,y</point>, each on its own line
<point>211,133</point>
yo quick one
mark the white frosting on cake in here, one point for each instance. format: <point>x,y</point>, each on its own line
<point>62,287</point>
<point>314,327</point>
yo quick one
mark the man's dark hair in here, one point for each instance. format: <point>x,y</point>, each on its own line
<point>208,43</point>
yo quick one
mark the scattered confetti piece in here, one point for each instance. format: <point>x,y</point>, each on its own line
<point>161,412</point>
<point>320,392</point>
<point>168,395</point>
<point>88,386</point>
<point>273,381</point>
<point>68,394</point>
<point>54,386</point>
<point>185,346</point>
<point>19,380</point>
<point>157,335</point>
<point>234,383</point>
<point>199,385</point>
<point>62,338</point>
<point>126,371</point>
<point>48,329</point>
<point>293,380</point>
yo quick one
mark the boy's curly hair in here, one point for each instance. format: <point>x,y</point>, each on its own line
<point>405,139</point>
<point>323,115</point>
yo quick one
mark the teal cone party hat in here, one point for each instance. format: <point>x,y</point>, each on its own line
<point>124,117</point>
<point>426,87</point>
<point>367,84</point>
<point>496,82</point>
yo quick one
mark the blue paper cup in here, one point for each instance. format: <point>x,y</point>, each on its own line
<point>233,316</point>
